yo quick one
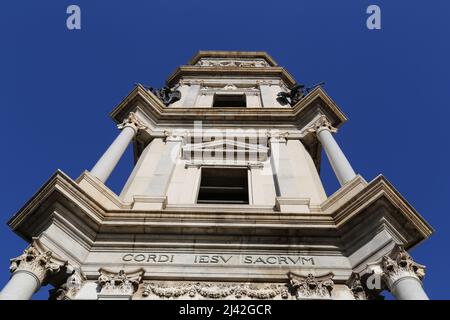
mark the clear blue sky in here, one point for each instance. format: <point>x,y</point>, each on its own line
<point>58,86</point>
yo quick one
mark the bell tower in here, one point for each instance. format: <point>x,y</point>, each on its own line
<point>224,200</point>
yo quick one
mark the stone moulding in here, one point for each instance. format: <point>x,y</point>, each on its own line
<point>60,186</point>
<point>155,110</point>
<point>211,290</point>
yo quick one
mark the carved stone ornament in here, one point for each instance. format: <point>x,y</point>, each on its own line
<point>236,63</point>
<point>177,136</point>
<point>120,283</point>
<point>311,287</point>
<point>399,265</point>
<point>132,121</point>
<point>38,261</point>
<point>69,289</point>
<point>210,290</point>
<point>321,124</point>
<point>357,288</point>
<point>276,136</point>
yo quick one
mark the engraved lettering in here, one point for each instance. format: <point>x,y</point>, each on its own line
<point>271,260</point>
<point>127,257</point>
<point>139,258</point>
<point>151,257</point>
<point>282,259</point>
<point>294,261</point>
<point>259,260</point>
<point>163,258</point>
<point>311,260</point>
<point>225,260</point>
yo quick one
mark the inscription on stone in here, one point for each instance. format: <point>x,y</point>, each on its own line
<point>158,258</point>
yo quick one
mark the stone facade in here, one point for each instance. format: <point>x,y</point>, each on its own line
<point>156,240</point>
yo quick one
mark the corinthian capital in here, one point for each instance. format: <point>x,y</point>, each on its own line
<point>276,136</point>
<point>120,283</point>
<point>400,265</point>
<point>132,121</point>
<point>311,287</point>
<point>321,124</point>
<point>37,261</point>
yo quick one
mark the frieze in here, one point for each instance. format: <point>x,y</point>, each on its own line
<point>211,290</point>
<point>236,63</point>
<point>219,259</point>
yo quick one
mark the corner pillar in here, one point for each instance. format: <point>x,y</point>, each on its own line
<point>341,167</point>
<point>106,164</point>
<point>403,276</point>
<point>30,271</point>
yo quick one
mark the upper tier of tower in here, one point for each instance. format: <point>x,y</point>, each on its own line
<point>223,79</point>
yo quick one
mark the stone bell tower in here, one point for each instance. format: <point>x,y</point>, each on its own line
<point>224,201</point>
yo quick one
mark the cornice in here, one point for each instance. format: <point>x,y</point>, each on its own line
<point>189,71</point>
<point>157,112</point>
<point>377,189</point>
<point>222,220</point>
<point>232,54</point>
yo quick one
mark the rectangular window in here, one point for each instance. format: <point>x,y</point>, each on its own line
<point>229,101</point>
<point>223,185</point>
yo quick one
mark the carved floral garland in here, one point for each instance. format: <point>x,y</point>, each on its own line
<point>215,291</point>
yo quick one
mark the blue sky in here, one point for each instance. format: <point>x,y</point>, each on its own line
<point>58,86</point>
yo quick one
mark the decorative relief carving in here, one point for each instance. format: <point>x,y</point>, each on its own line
<point>320,124</point>
<point>119,283</point>
<point>176,136</point>
<point>400,265</point>
<point>230,87</point>
<point>132,121</point>
<point>236,63</point>
<point>277,136</point>
<point>69,289</point>
<point>38,261</point>
<point>215,290</point>
<point>226,87</point>
<point>311,287</point>
<point>357,288</point>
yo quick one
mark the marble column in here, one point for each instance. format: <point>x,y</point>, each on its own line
<point>29,272</point>
<point>104,167</point>
<point>341,167</point>
<point>403,276</point>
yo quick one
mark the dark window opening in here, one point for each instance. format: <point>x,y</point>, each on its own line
<point>223,185</point>
<point>229,101</point>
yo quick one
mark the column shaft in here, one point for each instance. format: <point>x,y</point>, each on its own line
<point>21,286</point>
<point>341,167</point>
<point>103,168</point>
<point>408,288</point>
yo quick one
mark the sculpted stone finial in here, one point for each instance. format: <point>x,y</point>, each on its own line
<point>37,261</point>
<point>132,121</point>
<point>311,287</point>
<point>320,124</point>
